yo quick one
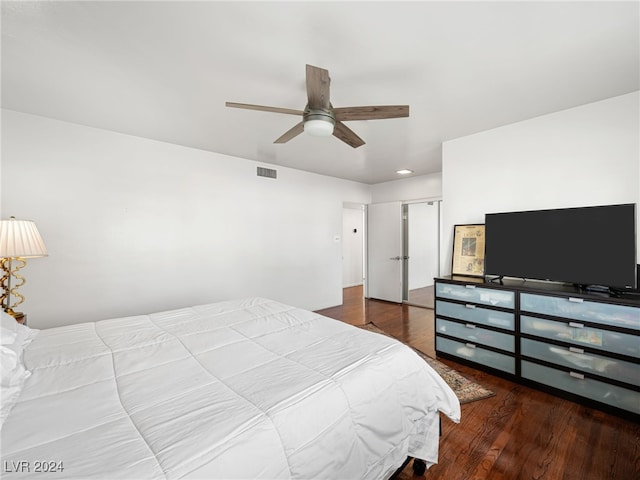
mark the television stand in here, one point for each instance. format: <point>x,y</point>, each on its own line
<point>583,346</point>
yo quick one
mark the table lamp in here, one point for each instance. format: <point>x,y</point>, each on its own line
<point>19,239</point>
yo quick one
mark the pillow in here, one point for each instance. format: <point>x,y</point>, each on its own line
<point>7,337</point>
<point>14,338</point>
<point>15,335</point>
<point>8,366</point>
<point>13,377</point>
<point>8,329</point>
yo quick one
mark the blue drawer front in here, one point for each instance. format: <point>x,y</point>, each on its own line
<point>474,294</point>
<point>577,359</point>
<point>585,387</point>
<point>582,310</point>
<point>473,313</point>
<point>474,334</point>
<point>476,354</point>
<point>580,335</point>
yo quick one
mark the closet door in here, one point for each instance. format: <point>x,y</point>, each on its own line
<point>384,239</point>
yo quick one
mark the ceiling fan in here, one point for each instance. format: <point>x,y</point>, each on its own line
<point>319,118</point>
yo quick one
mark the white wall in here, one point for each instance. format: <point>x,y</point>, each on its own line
<point>588,155</point>
<point>134,226</point>
<point>420,187</point>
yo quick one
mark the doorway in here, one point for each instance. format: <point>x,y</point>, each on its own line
<point>403,251</point>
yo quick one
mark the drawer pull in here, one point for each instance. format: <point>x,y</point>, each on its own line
<point>470,345</point>
<point>470,286</point>
<point>576,325</point>
<point>470,325</point>
<point>576,300</point>
<point>468,305</point>
<point>576,350</point>
<point>579,376</point>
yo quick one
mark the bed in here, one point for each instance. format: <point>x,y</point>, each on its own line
<point>242,389</point>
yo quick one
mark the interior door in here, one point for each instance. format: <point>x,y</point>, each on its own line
<point>384,239</point>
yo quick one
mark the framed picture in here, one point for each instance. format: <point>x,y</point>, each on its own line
<point>468,250</point>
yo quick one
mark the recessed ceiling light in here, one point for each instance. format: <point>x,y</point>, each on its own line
<point>404,171</point>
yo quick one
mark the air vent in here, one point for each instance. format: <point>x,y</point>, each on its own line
<point>267,172</point>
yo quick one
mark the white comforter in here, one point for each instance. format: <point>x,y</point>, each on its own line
<point>243,389</point>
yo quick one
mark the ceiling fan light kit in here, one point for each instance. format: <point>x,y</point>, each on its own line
<point>318,128</point>
<point>320,119</point>
<point>318,123</point>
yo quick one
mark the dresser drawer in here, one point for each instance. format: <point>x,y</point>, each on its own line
<point>587,362</point>
<point>578,334</point>
<point>471,352</point>
<point>582,310</point>
<point>472,333</point>
<point>473,294</point>
<point>585,387</point>
<point>472,313</point>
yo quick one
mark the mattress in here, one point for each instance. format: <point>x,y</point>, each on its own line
<point>244,389</point>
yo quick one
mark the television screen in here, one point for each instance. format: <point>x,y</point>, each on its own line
<point>588,246</point>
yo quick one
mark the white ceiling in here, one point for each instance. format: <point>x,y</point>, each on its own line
<point>163,70</point>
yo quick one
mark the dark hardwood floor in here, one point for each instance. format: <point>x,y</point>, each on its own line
<point>423,297</point>
<point>518,434</point>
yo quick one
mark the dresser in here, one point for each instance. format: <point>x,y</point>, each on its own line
<point>580,346</point>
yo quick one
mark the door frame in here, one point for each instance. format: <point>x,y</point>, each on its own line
<point>405,239</point>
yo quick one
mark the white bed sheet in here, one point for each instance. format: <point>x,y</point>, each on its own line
<point>243,389</point>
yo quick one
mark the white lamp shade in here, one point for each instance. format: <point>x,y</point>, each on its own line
<point>20,238</point>
<point>318,128</point>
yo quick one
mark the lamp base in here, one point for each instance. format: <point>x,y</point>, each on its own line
<point>18,316</point>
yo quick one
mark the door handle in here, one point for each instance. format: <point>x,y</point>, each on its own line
<point>396,258</point>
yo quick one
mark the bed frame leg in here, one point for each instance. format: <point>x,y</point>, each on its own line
<point>419,467</point>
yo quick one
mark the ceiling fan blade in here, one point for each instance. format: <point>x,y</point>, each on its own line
<point>292,132</point>
<point>264,108</point>
<point>371,112</point>
<point>348,136</point>
<point>318,87</point>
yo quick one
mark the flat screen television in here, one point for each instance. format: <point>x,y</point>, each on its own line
<point>586,246</point>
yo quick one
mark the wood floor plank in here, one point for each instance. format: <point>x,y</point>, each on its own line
<point>520,433</point>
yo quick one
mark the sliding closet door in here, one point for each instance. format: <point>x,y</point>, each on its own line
<point>422,247</point>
